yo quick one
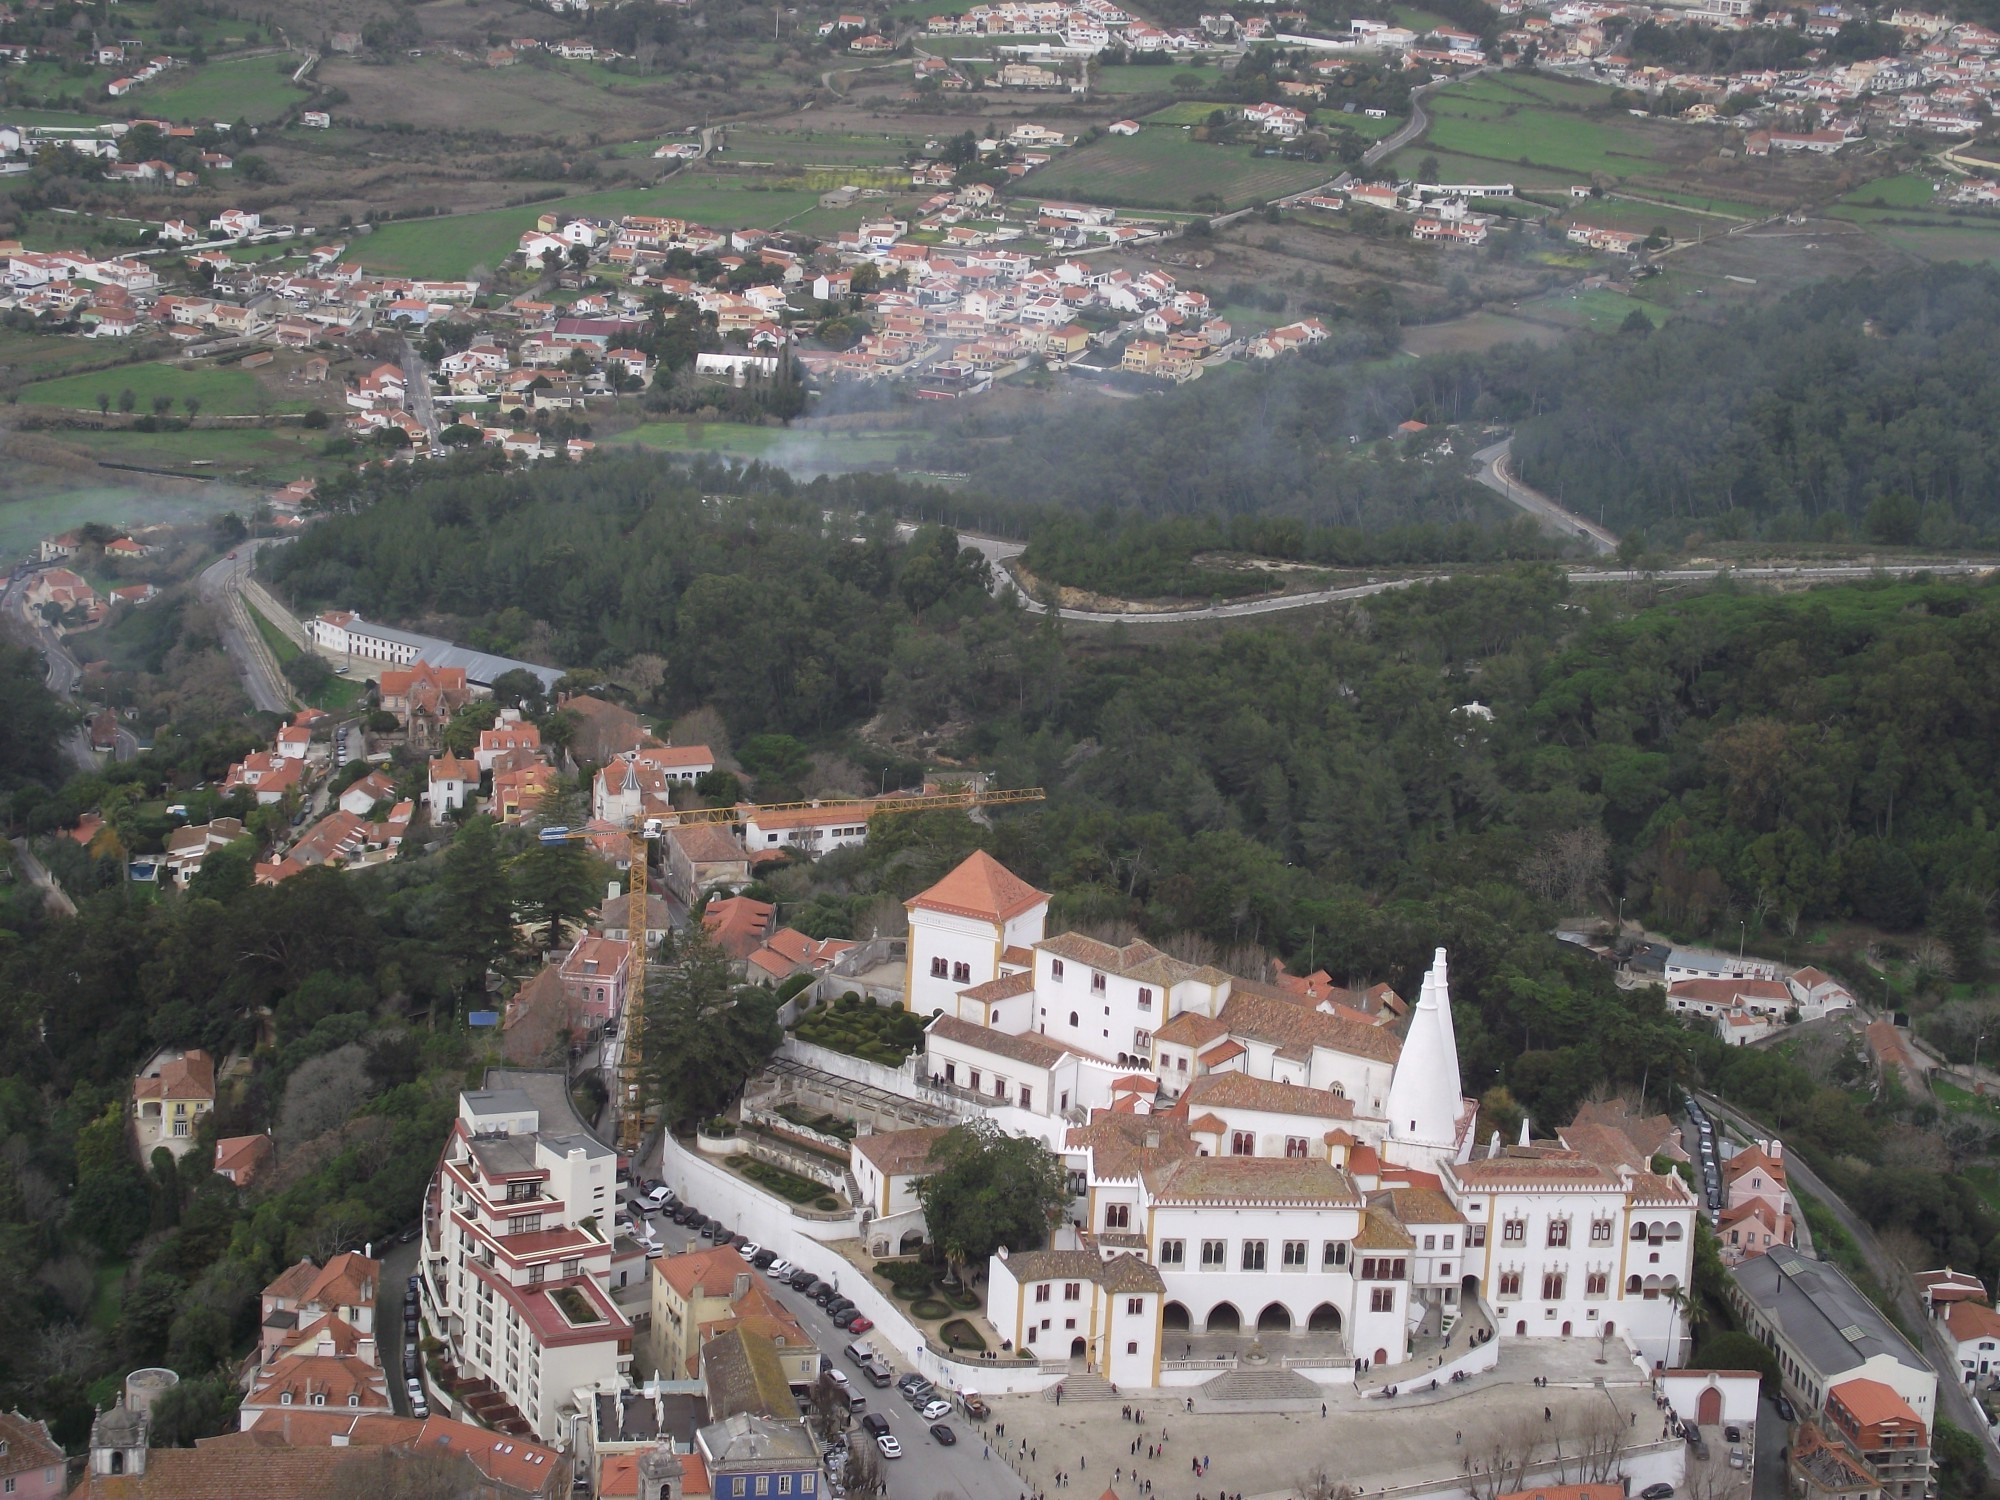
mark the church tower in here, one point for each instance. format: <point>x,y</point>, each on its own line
<point>1424,1093</point>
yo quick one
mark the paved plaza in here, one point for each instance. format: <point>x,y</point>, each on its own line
<point>1370,1443</point>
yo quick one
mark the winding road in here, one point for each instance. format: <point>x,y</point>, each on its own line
<point>1495,473</point>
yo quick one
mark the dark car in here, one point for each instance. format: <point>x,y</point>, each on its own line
<point>943,1433</point>
<point>409,1359</point>
<point>409,1234</point>
<point>1657,1492</point>
<point>837,1305</point>
<point>874,1424</point>
<point>697,1221</point>
<point>682,1214</point>
<point>1732,1434</point>
<point>823,1293</point>
<point>710,1230</point>
<point>764,1259</point>
<point>846,1319</point>
<point>1784,1409</point>
<point>801,1280</point>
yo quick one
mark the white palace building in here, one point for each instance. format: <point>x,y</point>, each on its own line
<point>1272,1158</point>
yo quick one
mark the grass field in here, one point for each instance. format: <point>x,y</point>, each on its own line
<point>800,451</point>
<point>450,247</point>
<point>1135,78</point>
<point>1170,169</point>
<point>243,88</point>
<point>35,356</point>
<point>26,518</point>
<point>814,147</point>
<point>1184,112</point>
<point>221,391</point>
<point>1906,191</point>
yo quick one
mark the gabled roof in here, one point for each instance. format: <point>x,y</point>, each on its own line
<point>1029,1047</point>
<point>1251,1179</point>
<point>897,1153</point>
<point>1972,1320</point>
<point>1265,1015</point>
<point>1241,1091</point>
<point>980,887</point>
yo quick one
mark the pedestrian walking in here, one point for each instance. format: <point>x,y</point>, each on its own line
<point>988,1453</point>
<point>1322,1411</point>
<point>1547,1415</point>
<point>1458,1437</point>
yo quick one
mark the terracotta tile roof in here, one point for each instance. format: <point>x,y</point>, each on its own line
<point>1603,1145</point>
<point>1417,1205</point>
<point>706,843</point>
<point>714,1271</point>
<point>1029,1047</point>
<point>1649,1134</point>
<point>897,1153</point>
<point>243,1156</point>
<point>1190,1029</point>
<point>1223,1052</point>
<point>204,1474</point>
<point>1870,1402</point>
<point>1118,1141</point>
<point>516,1462</point>
<point>738,924</point>
<point>536,1028</point>
<point>1753,1158</point>
<point>1250,1179</point>
<point>189,1076</point>
<point>1015,956</point>
<point>619,1475</point>
<point>25,1444</point>
<point>338,1378</point>
<point>1380,1231</point>
<point>1540,1169</point>
<point>1971,1320</point>
<point>1006,987</point>
<point>1240,1091</point>
<point>1136,960</point>
<point>1272,1018</point>
<point>1121,1273</point>
<point>1208,1125</point>
<point>980,887</point>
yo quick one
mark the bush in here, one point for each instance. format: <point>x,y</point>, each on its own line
<point>874,1033</point>
<point>959,1334</point>
<point>827,1205</point>
<point>930,1307</point>
<point>787,1185</point>
<point>718,1128</point>
<point>907,1278</point>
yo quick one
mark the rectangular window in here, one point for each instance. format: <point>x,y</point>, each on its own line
<point>1145,998</point>
<point>1514,1232</point>
<point>535,1274</point>
<point>1295,1255</point>
<point>1096,983</point>
<point>1510,1283</point>
<point>1173,1252</point>
<point>784,1484</point>
<point>1117,1216</point>
<point>1042,1292</point>
<point>1430,1242</point>
<point>1214,1254</point>
<point>763,1484</point>
<point>1295,1148</point>
<point>1135,1305</point>
<point>1253,1255</point>
<point>1131,1346</point>
<point>525,1224</point>
<point>1475,1237</point>
<point>961,973</point>
<point>1333,1255</point>
<point>1027,1097</point>
<point>1382,1299</point>
<point>972,1079</point>
<point>1055,968</point>
<point>1451,1242</point>
<point>1072,1291</point>
<point>1558,1233</point>
<point>1243,1143</point>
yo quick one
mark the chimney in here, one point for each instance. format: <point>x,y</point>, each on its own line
<point>1152,1140</point>
<point>1775,1150</point>
<point>612,890</point>
<point>365,1348</point>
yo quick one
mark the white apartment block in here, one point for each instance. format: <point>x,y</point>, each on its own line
<point>517,1250</point>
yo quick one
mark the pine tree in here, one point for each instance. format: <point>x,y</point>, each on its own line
<point>477,910</point>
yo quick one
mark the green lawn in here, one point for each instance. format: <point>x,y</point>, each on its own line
<point>820,147</point>
<point>243,88</point>
<point>1185,112</point>
<point>27,518</point>
<point>452,246</point>
<point>1135,78</point>
<point>220,390</point>
<point>1170,169</point>
<point>1906,191</point>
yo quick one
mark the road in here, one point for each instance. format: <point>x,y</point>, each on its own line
<point>417,390</point>
<point>398,1262</point>
<point>1388,146</point>
<point>221,585</point>
<point>1495,474</point>
<point>926,1468</point>
<point>1953,1401</point>
<point>61,671</point>
<point>54,896</point>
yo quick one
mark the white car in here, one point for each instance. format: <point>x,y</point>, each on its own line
<point>778,1270</point>
<point>652,1202</point>
<point>936,1411</point>
<point>889,1446</point>
<point>748,1249</point>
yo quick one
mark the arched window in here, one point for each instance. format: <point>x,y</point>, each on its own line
<point>1072,1018</point>
<point>1632,1286</point>
<point>1673,1231</point>
<point>1638,1231</point>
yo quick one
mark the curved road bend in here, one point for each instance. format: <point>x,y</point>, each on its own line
<point>1497,475</point>
<point>1951,1391</point>
<point>221,585</point>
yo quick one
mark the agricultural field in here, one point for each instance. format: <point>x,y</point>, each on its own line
<point>1184,112</point>
<point>1905,214</point>
<point>1906,191</point>
<point>1170,169</point>
<point>543,104</point>
<point>452,246</point>
<point>1135,78</point>
<point>28,517</point>
<point>26,357</point>
<point>220,390</point>
<point>810,148</point>
<point>805,452</point>
<point>256,89</point>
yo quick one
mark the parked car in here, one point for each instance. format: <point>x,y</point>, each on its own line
<point>653,1201</point>
<point>835,1306</point>
<point>823,1293</point>
<point>682,1214</point>
<point>861,1325</point>
<point>889,1446</point>
<point>904,1382</point>
<point>1732,1434</point>
<point>750,1249</point>
<point>1784,1409</point>
<point>777,1270</point>
<point>802,1280</point>
<point>936,1411</point>
<point>1738,1459</point>
<point>943,1433</point>
<point>845,1320</point>
<point>1657,1492</point>
<point>838,1377</point>
<point>763,1260</point>
<point>709,1228</point>
<point>918,1391</point>
<point>409,1359</point>
<point>875,1424</point>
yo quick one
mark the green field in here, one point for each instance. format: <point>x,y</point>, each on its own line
<point>820,147</point>
<point>221,391</point>
<point>452,246</point>
<point>26,518</point>
<point>1170,169</point>
<point>804,452</point>
<point>1135,78</point>
<point>1185,112</point>
<point>257,454</point>
<point>243,88</point>
<point>1906,191</point>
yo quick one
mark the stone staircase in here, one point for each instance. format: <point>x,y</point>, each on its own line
<point>1265,1390</point>
<point>1084,1387</point>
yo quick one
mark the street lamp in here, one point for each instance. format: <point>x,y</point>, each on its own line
<point>1621,916</point>
<point>1742,936</point>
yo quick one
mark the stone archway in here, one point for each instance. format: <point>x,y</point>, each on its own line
<point>912,1242</point>
<point>1224,1318</point>
<point>1275,1318</point>
<point>1174,1317</point>
<point>1323,1319</point>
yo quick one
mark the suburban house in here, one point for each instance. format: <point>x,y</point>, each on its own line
<point>452,783</point>
<point>32,1462</point>
<point>704,1294</point>
<point>318,1347</point>
<point>595,974</point>
<point>240,1158</point>
<point>613,917</point>
<point>423,698</point>
<point>189,845</point>
<point>702,857</point>
<point>170,1096</point>
<point>738,925</point>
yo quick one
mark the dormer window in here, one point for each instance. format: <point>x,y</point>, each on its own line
<point>285,1399</point>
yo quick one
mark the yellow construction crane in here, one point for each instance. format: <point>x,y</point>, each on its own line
<point>640,832</point>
